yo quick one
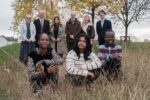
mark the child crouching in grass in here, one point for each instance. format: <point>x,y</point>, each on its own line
<point>110,55</point>
<point>82,65</point>
<point>43,65</point>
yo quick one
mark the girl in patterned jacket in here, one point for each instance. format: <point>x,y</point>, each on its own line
<point>82,65</point>
<point>43,64</point>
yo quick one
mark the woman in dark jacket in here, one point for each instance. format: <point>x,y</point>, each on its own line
<point>88,28</point>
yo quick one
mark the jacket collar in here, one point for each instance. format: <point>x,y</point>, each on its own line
<point>108,45</point>
<point>76,20</point>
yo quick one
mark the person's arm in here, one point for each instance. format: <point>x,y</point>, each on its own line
<point>34,32</point>
<point>57,59</point>
<point>52,34</point>
<point>67,29</point>
<point>93,33</point>
<point>78,30</point>
<point>110,25</point>
<point>119,52</point>
<point>48,27</point>
<point>101,55</point>
<point>33,74</point>
<point>95,63</point>
<point>71,68</point>
<point>21,31</point>
<point>97,28</point>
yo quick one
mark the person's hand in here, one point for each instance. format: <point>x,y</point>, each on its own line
<point>91,74</point>
<point>92,40</point>
<point>71,36</point>
<point>58,39</point>
<point>52,69</point>
<point>115,55</point>
<point>53,39</point>
<point>29,40</point>
<point>40,68</point>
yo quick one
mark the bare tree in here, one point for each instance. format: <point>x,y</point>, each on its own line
<point>133,10</point>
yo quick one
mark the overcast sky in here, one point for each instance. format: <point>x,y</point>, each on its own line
<point>141,31</point>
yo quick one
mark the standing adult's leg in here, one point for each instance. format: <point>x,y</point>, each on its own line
<point>101,40</point>
<point>23,51</point>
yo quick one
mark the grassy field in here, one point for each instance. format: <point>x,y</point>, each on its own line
<point>14,83</point>
<point>11,49</point>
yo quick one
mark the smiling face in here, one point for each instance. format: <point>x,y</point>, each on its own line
<point>102,14</point>
<point>82,43</point>
<point>42,14</point>
<point>44,41</point>
<point>28,19</point>
<point>56,20</point>
<point>110,38</point>
<point>87,19</point>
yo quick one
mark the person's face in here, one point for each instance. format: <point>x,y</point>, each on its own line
<point>42,15</point>
<point>87,19</point>
<point>56,20</point>
<point>28,19</point>
<point>73,15</point>
<point>82,43</point>
<point>110,39</point>
<point>44,41</point>
<point>102,15</point>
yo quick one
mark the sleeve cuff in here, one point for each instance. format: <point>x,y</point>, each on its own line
<point>85,73</point>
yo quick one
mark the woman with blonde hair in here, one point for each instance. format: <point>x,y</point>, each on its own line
<point>88,28</point>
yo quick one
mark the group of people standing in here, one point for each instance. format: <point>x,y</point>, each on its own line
<point>42,46</point>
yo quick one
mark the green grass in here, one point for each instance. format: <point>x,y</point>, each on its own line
<point>13,50</point>
<point>3,95</point>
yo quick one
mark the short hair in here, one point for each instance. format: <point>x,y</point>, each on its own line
<point>109,33</point>
<point>101,11</point>
<point>40,35</point>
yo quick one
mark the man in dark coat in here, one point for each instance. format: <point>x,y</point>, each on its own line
<point>42,25</point>
<point>102,26</point>
<point>73,28</point>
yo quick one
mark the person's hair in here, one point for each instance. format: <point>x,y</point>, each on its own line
<point>39,37</point>
<point>28,16</point>
<point>56,17</point>
<point>88,48</point>
<point>108,32</point>
<point>101,11</point>
<point>84,21</point>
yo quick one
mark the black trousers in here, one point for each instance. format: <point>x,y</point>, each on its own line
<point>38,82</point>
<point>77,80</point>
<point>112,64</point>
<point>101,40</point>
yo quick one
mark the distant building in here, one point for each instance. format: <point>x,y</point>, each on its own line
<point>7,40</point>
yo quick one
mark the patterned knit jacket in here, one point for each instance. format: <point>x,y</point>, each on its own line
<point>73,61</point>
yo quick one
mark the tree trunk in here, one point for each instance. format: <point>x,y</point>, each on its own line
<point>93,11</point>
<point>126,34</point>
<point>93,15</point>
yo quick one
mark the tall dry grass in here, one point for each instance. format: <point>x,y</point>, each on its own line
<point>134,86</point>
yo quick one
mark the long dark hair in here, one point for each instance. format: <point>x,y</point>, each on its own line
<point>57,17</point>
<point>88,48</point>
